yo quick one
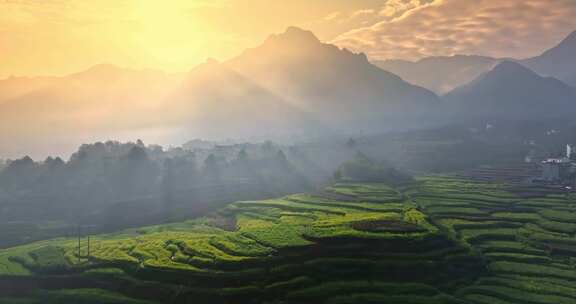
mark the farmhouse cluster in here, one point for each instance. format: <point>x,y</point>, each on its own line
<point>561,170</point>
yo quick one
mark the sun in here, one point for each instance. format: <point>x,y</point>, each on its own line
<point>171,36</point>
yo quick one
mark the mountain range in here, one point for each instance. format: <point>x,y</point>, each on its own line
<point>291,86</point>
<point>58,113</point>
<point>339,88</point>
<point>558,62</point>
<point>218,102</point>
<point>294,84</point>
<point>440,74</point>
<point>511,91</point>
<point>443,74</point>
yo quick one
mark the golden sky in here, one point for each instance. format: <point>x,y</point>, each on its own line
<point>40,37</point>
<point>62,36</point>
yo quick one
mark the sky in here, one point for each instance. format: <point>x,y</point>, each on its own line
<point>54,37</point>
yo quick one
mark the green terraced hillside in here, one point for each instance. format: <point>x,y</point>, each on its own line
<point>437,240</point>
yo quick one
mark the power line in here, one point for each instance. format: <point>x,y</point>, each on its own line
<point>87,243</point>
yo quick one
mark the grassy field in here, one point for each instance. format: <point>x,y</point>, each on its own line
<point>438,240</point>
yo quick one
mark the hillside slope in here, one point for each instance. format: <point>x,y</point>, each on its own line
<point>440,74</point>
<point>335,85</point>
<point>511,91</point>
<point>214,101</point>
<point>439,240</point>
<point>558,62</point>
<point>444,74</point>
<point>291,86</point>
<point>52,115</point>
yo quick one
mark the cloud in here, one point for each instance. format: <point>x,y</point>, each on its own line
<point>398,8</point>
<point>363,12</point>
<point>389,10</point>
<point>332,16</point>
<point>412,29</point>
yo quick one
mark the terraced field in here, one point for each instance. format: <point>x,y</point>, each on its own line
<point>527,240</point>
<point>437,240</point>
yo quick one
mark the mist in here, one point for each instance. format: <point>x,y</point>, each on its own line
<point>296,172</point>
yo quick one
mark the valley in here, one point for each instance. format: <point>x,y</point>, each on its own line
<point>301,152</point>
<point>438,239</point>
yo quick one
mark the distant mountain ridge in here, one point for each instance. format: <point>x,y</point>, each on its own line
<point>290,84</point>
<point>558,62</point>
<point>215,101</point>
<point>443,74</point>
<point>511,91</point>
<point>56,114</point>
<point>448,72</point>
<point>333,84</point>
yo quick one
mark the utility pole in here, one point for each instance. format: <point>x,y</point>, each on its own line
<point>83,232</point>
<point>88,255</point>
<point>79,244</point>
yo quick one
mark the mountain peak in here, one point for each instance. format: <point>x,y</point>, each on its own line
<point>101,71</point>
<point>564,50</point>
<point>511,67</point>
<point>558,62</point>
<point>296,35</point>
<point>103,68</point>
<point>512,91</point>
<point>570,40</point>
<point>294,30</point>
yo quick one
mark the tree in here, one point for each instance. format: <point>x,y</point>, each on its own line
<point>20,173</point>
<point>134,174</point>
<point>242,156</point>
<point>351,143</point>
<point>281,159</point>
<point>268,146</point>
<point>362,169</point>
<point>212,168</point>
<point>137,153</point>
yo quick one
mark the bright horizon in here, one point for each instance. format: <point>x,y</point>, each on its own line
<point>58,37</point>
<point>295,152</point>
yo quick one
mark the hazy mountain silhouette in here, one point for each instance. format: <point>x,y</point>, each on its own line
<point>443,74</point>
<point>215,101</point>
<point>571,80</point>
<point>59,113</point>
<point>440,74</point>
<point>558,62</point>
<point>337,86</point>
<point>15,87</point>
<point>290,84</point>
<point>512,91</point>
<point>104,96</point>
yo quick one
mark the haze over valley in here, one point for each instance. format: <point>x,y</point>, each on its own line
<point>254,152</point>
<point>293,84</point>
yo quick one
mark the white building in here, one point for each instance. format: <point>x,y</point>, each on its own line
<point>556,169</point>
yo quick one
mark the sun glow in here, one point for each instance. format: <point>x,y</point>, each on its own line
<point>57,37</point>
<point>172,36</point>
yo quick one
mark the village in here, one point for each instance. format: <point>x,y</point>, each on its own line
<point>559,170</point>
